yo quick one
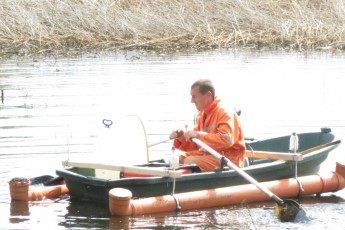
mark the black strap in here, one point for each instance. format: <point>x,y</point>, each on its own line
<point>178,205</point>
<point>300,185</point>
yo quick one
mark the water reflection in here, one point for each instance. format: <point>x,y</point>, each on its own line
<point>85,215</point>
<point>19,211</point>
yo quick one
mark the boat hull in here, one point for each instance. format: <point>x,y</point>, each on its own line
<point>83,185</point>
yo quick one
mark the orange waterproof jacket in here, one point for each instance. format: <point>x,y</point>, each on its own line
<point>220,131</point>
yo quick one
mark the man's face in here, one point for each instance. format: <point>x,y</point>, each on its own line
<point>201,101</point>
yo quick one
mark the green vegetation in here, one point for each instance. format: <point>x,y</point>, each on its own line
<point>63,27</point>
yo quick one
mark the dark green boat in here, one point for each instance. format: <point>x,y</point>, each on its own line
<point>83,185</point>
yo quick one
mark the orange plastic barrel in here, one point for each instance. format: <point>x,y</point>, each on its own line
<point>287,188</point>
<point>20,189</point>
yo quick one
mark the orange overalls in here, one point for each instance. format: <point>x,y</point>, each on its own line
<point>221,132</point>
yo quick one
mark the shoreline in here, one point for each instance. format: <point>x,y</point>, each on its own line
<point>68,28</point>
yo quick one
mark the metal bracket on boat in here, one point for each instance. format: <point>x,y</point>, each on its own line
<point>251,158</point>
<point>223,164</point>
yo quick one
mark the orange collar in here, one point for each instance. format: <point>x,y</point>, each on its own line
<point>212,106</point>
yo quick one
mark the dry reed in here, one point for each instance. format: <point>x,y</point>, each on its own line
<point>67,26</point>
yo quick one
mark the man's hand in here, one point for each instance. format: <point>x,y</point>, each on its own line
<point>176,134</point>
<point>190,134</point>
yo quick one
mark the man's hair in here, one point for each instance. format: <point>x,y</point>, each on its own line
<point>205,85</point>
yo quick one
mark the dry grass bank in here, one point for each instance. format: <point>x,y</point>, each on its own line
<point>68,26</point>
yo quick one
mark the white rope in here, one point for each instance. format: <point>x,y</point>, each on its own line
<point>293,148</point>
<point>173,165</point>
<point>294,142</point>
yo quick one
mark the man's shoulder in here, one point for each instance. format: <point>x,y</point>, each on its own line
<point>226,108</point>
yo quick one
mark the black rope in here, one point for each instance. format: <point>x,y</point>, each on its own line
<point>301,189</point>
<point>178,205</point>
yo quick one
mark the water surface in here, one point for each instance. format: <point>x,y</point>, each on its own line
<point>52,110</point>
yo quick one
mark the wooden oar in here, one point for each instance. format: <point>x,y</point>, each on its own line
<point>274,155</point>
<point>289,208</point>
<point>320,147</point>
<point>123,168</point>
<point>287,156</point>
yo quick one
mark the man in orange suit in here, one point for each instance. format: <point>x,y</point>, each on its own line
<point>215,127</point>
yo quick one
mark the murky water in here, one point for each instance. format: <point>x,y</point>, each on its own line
<point>52,109</point>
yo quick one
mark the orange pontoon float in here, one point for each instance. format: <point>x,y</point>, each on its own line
<point>122,204</point>
<point>20,189</point>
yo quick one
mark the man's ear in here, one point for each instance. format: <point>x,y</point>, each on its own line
<point>209,93</point>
